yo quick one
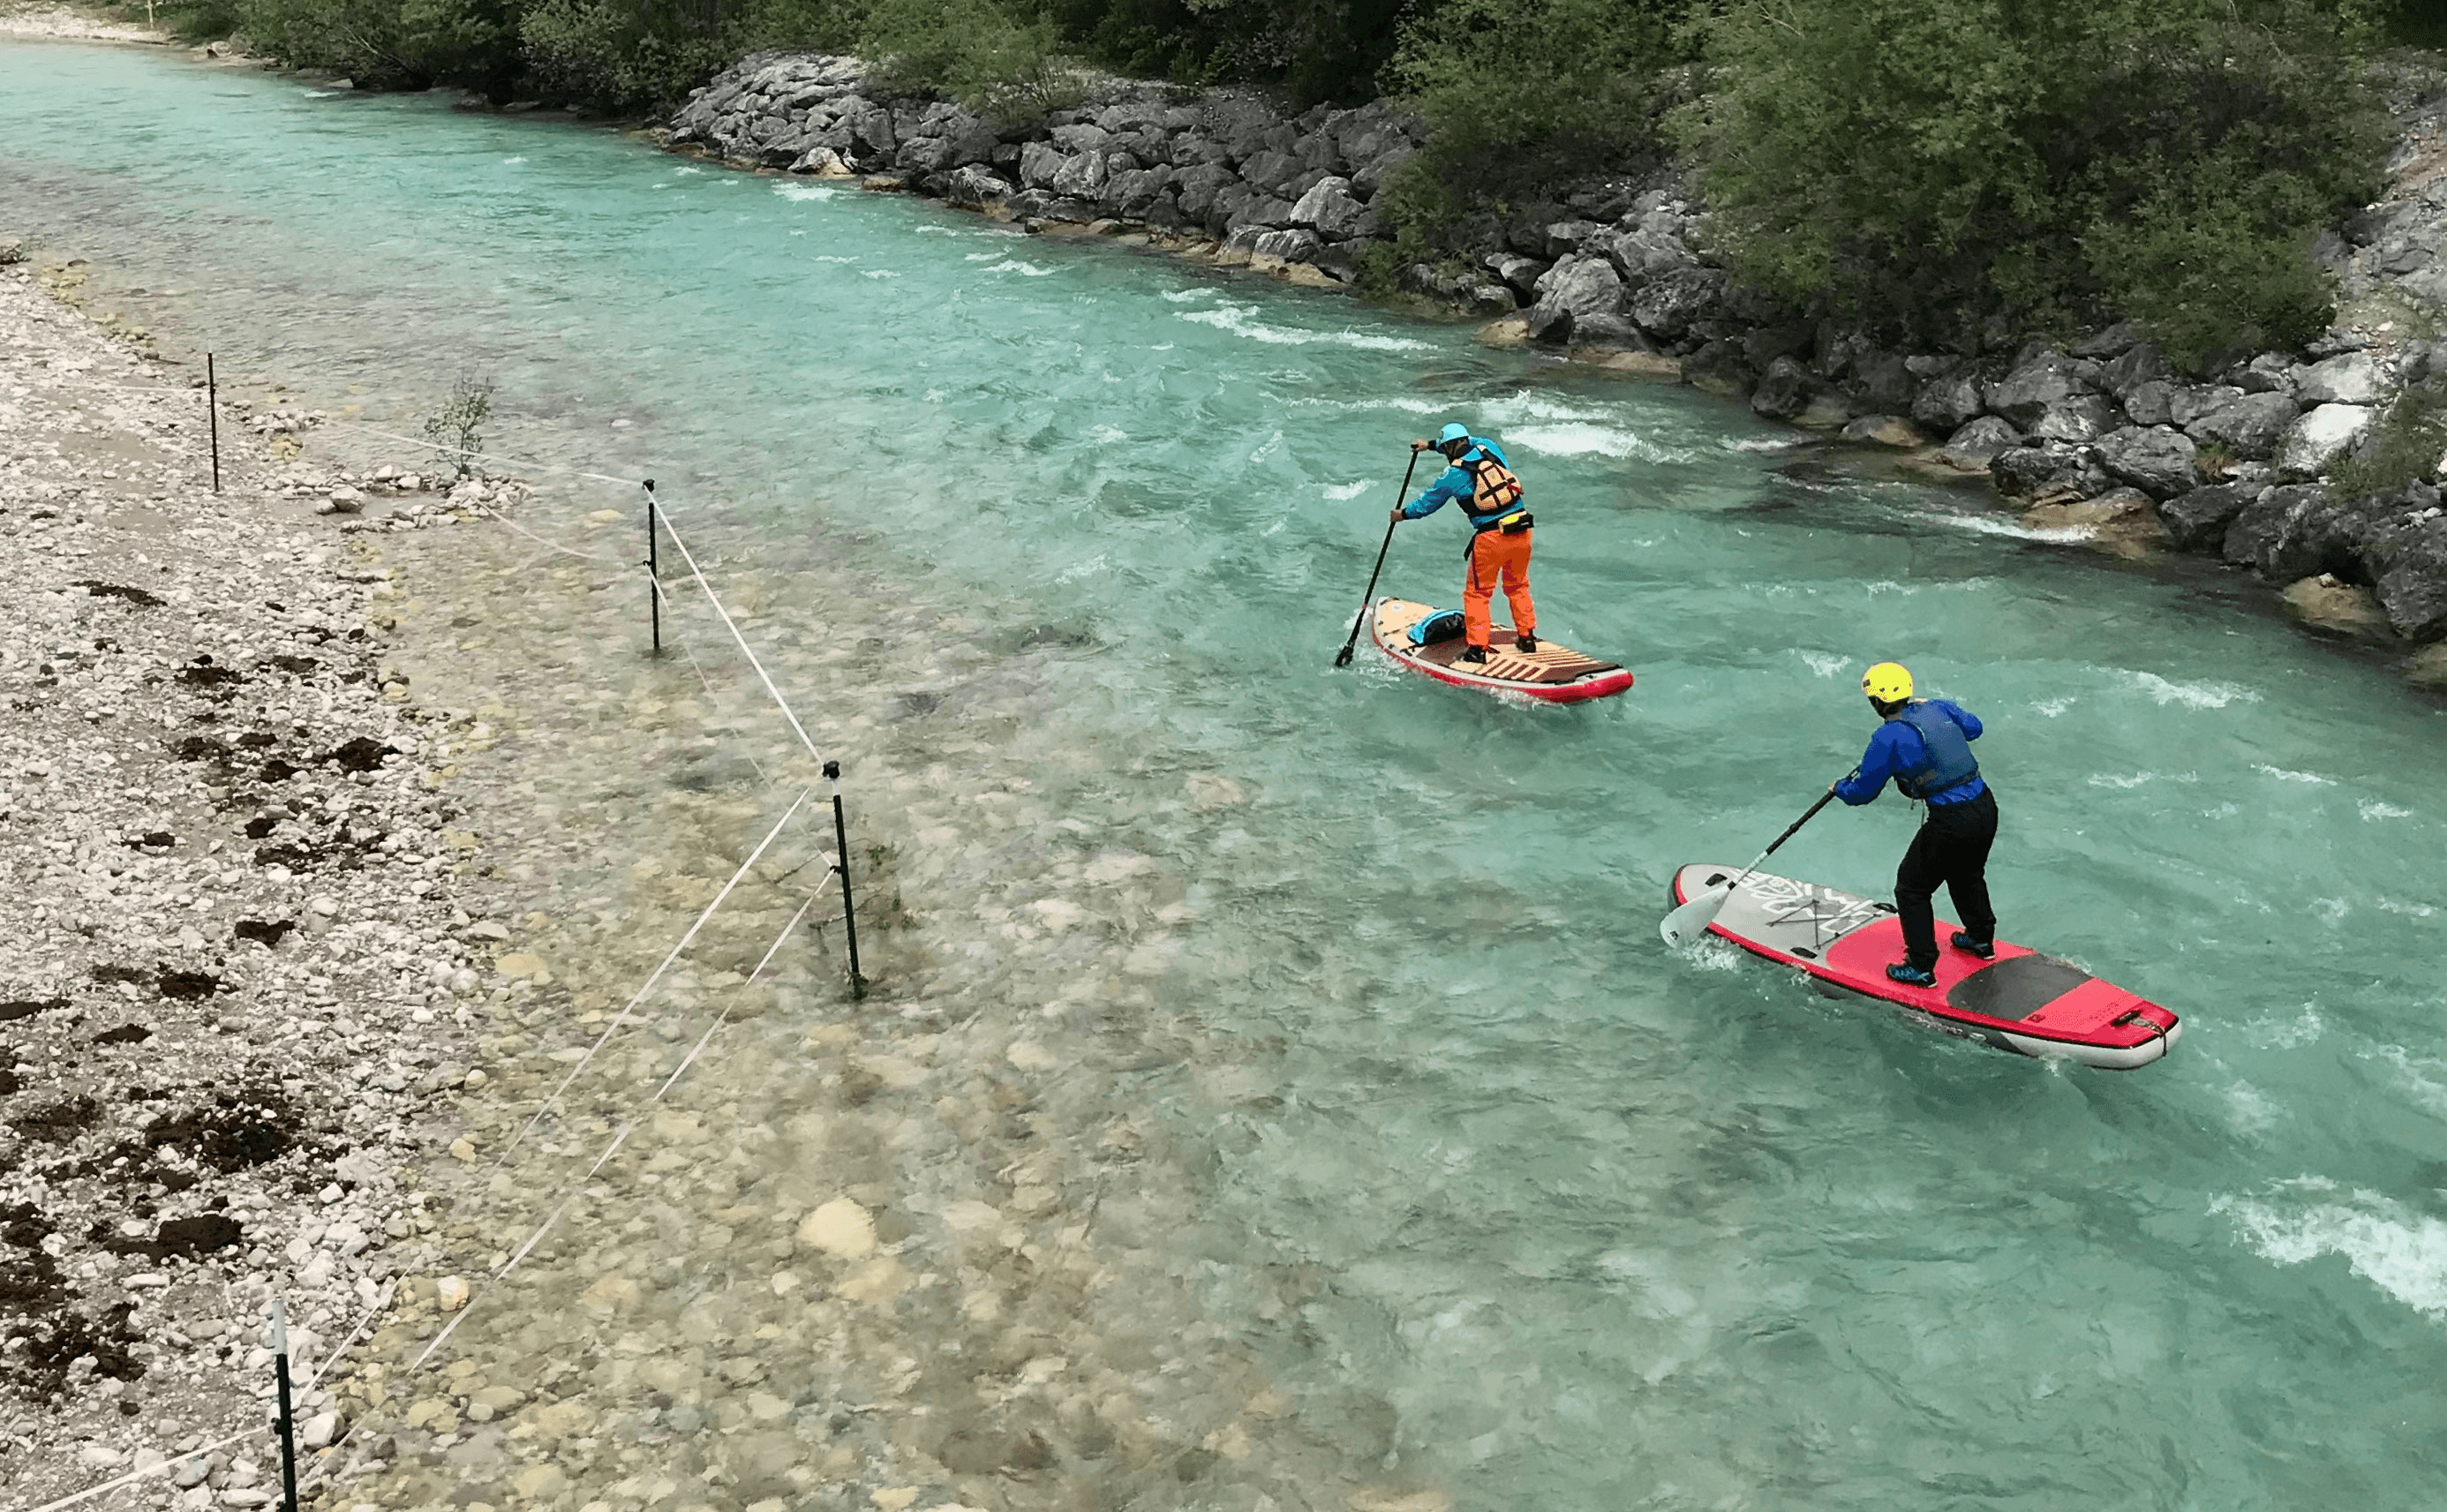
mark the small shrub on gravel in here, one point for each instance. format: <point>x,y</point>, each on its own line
<point>2408,442</point>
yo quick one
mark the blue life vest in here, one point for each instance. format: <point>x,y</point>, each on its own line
<point>1946,762</point>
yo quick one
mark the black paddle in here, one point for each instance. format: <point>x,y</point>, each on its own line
<point>1342,657</point>
<point>1692,919</point>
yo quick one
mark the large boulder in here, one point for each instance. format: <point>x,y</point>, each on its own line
<point>1038,162</point>
<point>2248,426</point>
<point>1717,368</point>
<point>2332,606</point>
<point>2050,380</point>
<point>2083,417</point>
<point>1977,443</point>
<point>2197,520</point>
<point>2290,533</point>
<point>976,187</point>
<point>1574,288</point>
<point>1784,393</point>
<point>1194,188</point>
<point>1518,273</point>
<point>2404,549</point>
<point>1138,194</point>
<point>1884,384</point>
<point>1280,248</point>
<point>2151,403</point>
<point>2140,364</point>
<point>1272,171</point>
<point>2160,461</point>
<point>1947,401</point>
<point>2120,523</point>
<point>2318,437</point>
<point>1667,305</point>
<point>1641,254</point>
<point>1330,211</point>
<point>2188,403</point>
<point>2051,472</point>
<point>2349,378</point>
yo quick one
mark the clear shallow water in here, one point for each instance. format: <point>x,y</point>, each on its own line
<point>1504,1198</point>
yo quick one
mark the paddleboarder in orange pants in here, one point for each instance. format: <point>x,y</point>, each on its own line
<point>1482,480</point>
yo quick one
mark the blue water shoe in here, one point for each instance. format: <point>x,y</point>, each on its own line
<point>1985,950</point>
<point>1911,975</point>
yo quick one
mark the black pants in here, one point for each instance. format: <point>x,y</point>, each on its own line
<point>1951,847</point>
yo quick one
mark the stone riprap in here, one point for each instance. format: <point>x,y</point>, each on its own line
<point>1218,167</point>
<point>1618,272</point>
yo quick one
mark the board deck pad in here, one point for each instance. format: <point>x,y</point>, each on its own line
<point>1553,672</point>
<point>2022,1001</point>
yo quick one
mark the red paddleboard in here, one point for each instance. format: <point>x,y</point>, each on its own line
<point>2021,1001</point>
<point>1556,674</point>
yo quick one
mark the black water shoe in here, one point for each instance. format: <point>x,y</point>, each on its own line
<point>1985,950</point>
<point>1911,975</point>
<point>1473,653</point>
<point>1526,643</point>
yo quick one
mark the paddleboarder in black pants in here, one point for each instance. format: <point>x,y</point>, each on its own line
<point>1925,745</point>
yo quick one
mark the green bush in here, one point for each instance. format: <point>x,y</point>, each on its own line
<point>1522,98</point>
<point>2406,447</point>
<point>974,51</point>
<point>1932,165</point>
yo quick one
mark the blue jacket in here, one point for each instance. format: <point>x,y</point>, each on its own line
<point>1457,484</point>
<point>1897,748</point>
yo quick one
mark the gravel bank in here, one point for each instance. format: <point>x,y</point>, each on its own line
<point>230,993</point>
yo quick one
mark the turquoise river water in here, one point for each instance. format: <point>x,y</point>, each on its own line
<point>1587,1224</point>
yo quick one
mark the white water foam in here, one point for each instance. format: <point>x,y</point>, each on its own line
<point>824,257</point>
<point>1027,268</point>
<point>688,168</point>
<point>2373,810</point>
<point>2389,905</point>
<point>2250,1110</point>
<point>880,273</point>
<point>2191,695</point>
<point>2290,1034</point>
<point>508,161</point>
<point>2052,707</point>
<point>1341,493</point>
<point>1993,525</point>
<point>2282,775</point>
<point>1824,665</point>
<point>789,190</point>
<point>1235,319</point>
<point>1107,435</point>
<point>2400,1252</point>
<point>1184,296</point>
<point>1761,442</point>
<point>1579,438</point>
<point>2421,1078</point>
<point>1406,406</point>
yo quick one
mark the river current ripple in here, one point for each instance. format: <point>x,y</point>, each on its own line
<point>1280,1095</point>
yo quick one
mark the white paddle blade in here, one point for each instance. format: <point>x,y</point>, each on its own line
<point>1692,919</point>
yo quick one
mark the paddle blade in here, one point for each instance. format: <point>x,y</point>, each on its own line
<point>1342,657</point>
<point>1691,920</point>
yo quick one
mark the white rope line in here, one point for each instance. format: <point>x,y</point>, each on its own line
<point>664,594</point>
<point>622,1016</point>
<point>488,456</point>
<point>565,1195</point>
<point>381,1301</point>
<point>566,551</point>
<point>744,649</point>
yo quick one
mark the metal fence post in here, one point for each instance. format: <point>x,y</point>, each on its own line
<point>213,417</point>
<point>849,908</point>
<point>288,1429</point>
<point>653,572</point>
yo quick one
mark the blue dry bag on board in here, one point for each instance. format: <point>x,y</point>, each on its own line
<point>1444,624</point>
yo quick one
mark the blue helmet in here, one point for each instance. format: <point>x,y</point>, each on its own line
<point>1456,431</point>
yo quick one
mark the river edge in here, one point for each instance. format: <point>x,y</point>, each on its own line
<point>946,1334</point>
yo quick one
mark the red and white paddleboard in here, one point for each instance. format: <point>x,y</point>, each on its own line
<point>1557,674</point>
<point>2021,1001</point>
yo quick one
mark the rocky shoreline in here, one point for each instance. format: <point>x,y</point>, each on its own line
<point>2102,438</point>
<point>237,996</point>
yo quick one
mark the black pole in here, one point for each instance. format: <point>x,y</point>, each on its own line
<point>653,573</point>
<point>850,910</point>
<point>1342,657</point>
<point>288,1429</point>
<point>213,417</point>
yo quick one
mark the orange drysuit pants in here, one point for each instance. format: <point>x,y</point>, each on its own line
<point>1493,557</point>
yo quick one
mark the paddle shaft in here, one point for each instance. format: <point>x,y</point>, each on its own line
<point>1342,658</point>
<point>1790,830</point>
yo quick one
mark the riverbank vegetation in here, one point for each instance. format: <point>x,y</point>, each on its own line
<point>1927,168</point>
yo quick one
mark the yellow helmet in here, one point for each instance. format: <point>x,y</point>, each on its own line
<point>1887,682</point>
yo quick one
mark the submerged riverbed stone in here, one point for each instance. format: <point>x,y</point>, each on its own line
<point>2332,606</point>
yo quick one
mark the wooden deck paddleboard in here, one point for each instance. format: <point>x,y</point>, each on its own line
<point>2021,1001</point>
<point>1555,673</point>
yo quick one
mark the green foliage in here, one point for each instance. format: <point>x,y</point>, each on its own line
<point>2405,446</point>
<point>396,44</point>
<point>1928,164</point>
<point>622,55</point>
<point>457,428</point>
<point>974,50</point>
<point>1307,50</point>
<point>1523,97</point>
